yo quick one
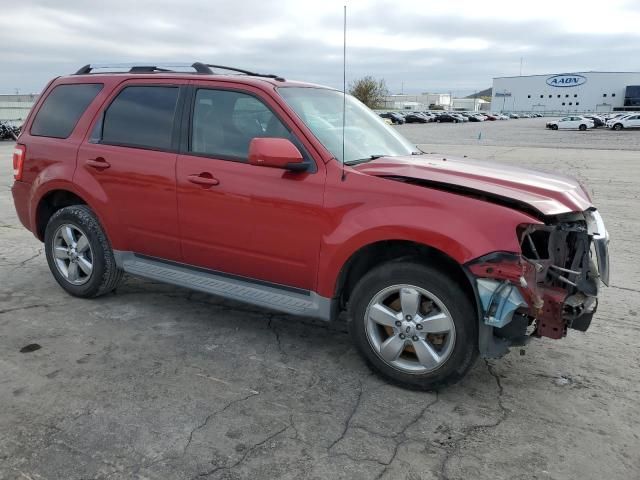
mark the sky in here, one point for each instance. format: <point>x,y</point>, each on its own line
<point>415,46</point>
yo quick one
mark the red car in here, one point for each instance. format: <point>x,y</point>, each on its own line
<point>241,185</point>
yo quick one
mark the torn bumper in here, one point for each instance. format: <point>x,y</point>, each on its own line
<point>548,288</point>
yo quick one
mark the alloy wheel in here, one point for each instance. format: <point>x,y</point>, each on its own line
<point>72,254</point>
<point>410,329</point>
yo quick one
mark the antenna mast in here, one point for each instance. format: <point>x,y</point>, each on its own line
<point>344,84</point>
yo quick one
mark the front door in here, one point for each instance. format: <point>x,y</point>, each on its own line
<point>252,221</point>
<point>130,159</point>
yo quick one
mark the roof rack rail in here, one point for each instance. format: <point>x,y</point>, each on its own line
<point>246,72</point>
<point>130,68</point>
<point>199,67</point>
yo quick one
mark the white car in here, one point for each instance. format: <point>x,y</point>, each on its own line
<point>630,121</point>
<point>580,123</point>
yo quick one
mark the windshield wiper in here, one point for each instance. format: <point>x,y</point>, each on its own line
<point>364,160</point>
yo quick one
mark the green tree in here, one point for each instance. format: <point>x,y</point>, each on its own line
<point>369,91</point>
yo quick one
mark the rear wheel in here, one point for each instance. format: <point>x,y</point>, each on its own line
<point>582,127</point>
<point>414,325</point>
<point>79,254</point>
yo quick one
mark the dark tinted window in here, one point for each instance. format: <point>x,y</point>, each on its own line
<point>225,122</point>
<point>62,109</point>
<point>141,117</point>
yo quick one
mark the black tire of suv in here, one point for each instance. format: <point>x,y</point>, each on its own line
<point>456,300</point>
<point>105,275</point>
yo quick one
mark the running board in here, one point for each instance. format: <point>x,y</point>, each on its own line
<point>272,296</point>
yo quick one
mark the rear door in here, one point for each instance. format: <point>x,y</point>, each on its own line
<point>567,122</point>
<point>130,158</point>
<point>634,121</point>
<point>256,222</point>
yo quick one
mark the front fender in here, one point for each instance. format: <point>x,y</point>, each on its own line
<point>461,227</point>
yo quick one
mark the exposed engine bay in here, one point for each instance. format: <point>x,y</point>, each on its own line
<point>551,286</point>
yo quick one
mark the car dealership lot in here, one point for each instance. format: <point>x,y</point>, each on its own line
<point>159,382</point>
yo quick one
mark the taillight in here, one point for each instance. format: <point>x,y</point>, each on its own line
<point>19,152</point>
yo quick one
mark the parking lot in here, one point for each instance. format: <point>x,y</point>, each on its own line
<point>157,382</point>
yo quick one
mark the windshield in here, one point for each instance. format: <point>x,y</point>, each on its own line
<point>366,135</point>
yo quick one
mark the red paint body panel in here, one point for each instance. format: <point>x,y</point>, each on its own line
<point>257,222</point>
<point>364,209</point>
<point>21,193</point>
<point>547,193</point>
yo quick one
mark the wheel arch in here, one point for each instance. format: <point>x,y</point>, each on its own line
<point>50,203</point>
<point>55,195</point>
<point>374,254</point>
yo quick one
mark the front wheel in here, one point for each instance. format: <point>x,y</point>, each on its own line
<point>554,127</point>
<point>79,254</point>
<point>414,325</point>
<point>617,126</point>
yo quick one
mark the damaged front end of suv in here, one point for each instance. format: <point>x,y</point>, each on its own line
<point>547,288</point>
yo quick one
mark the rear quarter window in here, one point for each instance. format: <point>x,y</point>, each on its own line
<point>63,107</point>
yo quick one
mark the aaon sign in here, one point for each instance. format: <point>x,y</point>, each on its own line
<point>566,80</point>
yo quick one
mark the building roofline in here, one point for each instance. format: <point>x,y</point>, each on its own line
<point>563,73</point>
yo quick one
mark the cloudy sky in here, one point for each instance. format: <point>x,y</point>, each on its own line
<point>427,45</point>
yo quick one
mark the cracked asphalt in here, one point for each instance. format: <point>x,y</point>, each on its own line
<point>156,382</point>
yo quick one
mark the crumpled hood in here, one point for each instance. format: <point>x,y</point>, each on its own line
<point>547,193</point>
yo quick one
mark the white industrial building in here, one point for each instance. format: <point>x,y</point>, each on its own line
<point>15,108</point>
<point>470,104</point>
<point>422,101</point>
<point>567,92</point>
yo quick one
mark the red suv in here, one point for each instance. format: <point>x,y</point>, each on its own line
<point>296,198</point>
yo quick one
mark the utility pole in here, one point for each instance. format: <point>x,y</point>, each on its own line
<point>520,66</point>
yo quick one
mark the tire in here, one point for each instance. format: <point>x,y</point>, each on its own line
<point>68,226</point>
<point>617,127</point>
<point>582,127</point>
<point>554,127</point>
<point>456,351</point>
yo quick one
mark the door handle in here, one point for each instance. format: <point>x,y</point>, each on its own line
<point>205,179</point>
<point>98,163</point>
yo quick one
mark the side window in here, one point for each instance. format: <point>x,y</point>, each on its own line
<point>224,123</point>
<point>141,116</point>
<point>62,109</point>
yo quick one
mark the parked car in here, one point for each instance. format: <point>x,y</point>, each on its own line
<point>597,121</point>
<point>416,118</point>
<point>513,115</point>
<point>491,117</point>
<point>581,123</point>
<point>447,117</point>
<point>475,118</point>
<point>395,118</point>
<point>430,116</point>
<point>249,187</point>
<point>630,121</point>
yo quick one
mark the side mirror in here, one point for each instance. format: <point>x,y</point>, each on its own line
<point>276,153</point>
